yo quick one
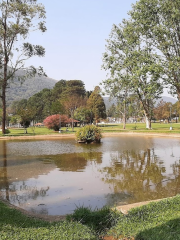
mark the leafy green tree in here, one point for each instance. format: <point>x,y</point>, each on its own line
<point>82,114</point>
<point>59,88</point>
<point>176,110</point>
<point>57,107</point>
<point>162,111</point>
<point>71,104</point>
<point>26,115</point>
<point>96,105</point>
<point>1,114</point>
<point>134,107</point>
<point>41,102</point>
<point>159,110</point>
<point>22,104</point>
<point>88,93</point>
<point>133,68</point>
<point>14,120</point>
<point>157,21</point>
<point>75,87</point>
<point>48,102</point>
<point>18,19</point>
<point>111,112</point>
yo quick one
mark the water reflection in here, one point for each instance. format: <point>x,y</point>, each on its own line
<point>53,177</point>
<point>140,174</point>
<point>76,162</point>
<point>11,171</point>
<point>4,174</point>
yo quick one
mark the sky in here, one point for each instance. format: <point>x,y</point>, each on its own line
<point>76,36</point>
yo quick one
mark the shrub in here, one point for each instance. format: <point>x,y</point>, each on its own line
<point>53,121</point>
<point>89,133</point>
<point>7,131</point>
<point>99,220</point>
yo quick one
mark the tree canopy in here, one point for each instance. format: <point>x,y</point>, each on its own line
<point>157,21</point>
<point>133,67</point>
<point>96,105</point>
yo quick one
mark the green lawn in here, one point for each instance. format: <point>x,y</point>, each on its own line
<point>141,127</point>
<point>32,131</point>
<point>130,127</point>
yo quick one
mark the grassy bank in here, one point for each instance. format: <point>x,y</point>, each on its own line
<point>33,131</point>
<point>155,221</point>
<point>15,225</point>
<point>141,128</point>
<point>107,128</point>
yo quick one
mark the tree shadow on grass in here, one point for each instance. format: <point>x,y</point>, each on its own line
<point>168,231</point>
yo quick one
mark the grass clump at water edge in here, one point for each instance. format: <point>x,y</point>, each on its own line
<point>99,220</point>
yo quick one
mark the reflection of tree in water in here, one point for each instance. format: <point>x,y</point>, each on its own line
<point>174,185</point>
<point>3,172</point>
<point>139,174</point>
<point>113,199</point>
<point>9,191</point>
<point>24,193</point>
<point>75,162</point>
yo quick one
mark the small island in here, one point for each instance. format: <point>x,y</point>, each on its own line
<point>89,134</point>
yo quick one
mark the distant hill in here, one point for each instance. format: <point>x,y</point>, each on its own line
<point>18,91</point>
<point>109,103</point>
<point>168,99</point>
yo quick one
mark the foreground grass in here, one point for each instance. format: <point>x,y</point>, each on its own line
<point>15,225</point>
<point>155,221</point>
<point>107,128</point>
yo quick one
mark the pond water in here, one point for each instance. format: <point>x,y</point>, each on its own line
<point>54,177</point>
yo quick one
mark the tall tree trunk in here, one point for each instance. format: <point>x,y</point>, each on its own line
<point>4,85</point>
<point>4,108</point>
<point>124,116</point>
<point>147,120</point>
<point>72,116</point>
<point>6,182</point>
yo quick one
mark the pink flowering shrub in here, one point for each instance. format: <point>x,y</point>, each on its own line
<point>53,121</point>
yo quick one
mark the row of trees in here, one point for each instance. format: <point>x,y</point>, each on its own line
<point>163,111</point>
<point>167,111</point>
<point>142,54</point>
<point>66,98</point>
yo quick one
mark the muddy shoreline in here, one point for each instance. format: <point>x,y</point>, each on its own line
<point>63,136</point>
<point>55,218</point>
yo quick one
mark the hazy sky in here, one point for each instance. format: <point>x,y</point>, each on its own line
<point>76,36</point>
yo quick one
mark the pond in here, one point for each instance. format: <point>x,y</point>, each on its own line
<point>54,177</point>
